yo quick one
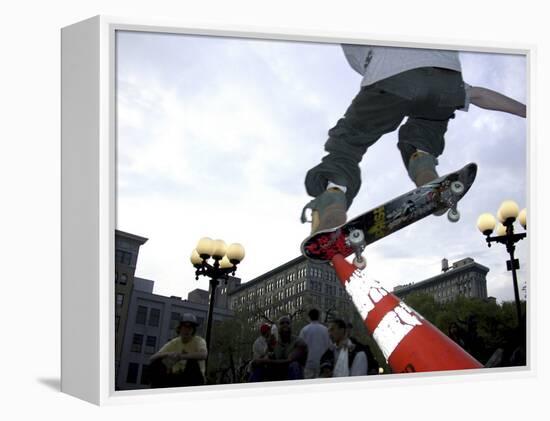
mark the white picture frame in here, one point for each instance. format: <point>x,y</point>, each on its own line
<point>88,211</point>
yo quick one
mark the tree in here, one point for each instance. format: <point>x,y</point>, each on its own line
<point>231,348</point>
<point>483,325</point>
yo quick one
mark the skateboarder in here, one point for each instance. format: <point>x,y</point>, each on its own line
<point>424,85</point>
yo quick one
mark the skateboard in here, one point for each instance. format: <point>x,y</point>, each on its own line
<point>439,195</point>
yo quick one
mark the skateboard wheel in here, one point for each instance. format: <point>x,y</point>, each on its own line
<point>360,264</point>
<point>457,187</point>
<point>356,238</point>
<point>453,215</point>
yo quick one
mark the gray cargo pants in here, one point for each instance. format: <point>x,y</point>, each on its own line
<point>428,96</point>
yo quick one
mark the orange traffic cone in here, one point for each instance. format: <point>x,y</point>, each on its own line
<point>408,341</point>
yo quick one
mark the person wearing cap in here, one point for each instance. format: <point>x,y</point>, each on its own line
<point>261,344</point>
<point>288,358</point>
<point>260,349</point>
<point>184,356</point>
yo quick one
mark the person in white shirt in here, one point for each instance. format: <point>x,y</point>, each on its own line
<point>315,335</point>
<point>344,358</point>
<point>260,350</point>
<point>423,85</point>
<point>260,345</point>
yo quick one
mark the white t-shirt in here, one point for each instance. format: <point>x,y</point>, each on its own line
<point>315,335</point>
<point>359,367</point>
<point>377,63</point>
<point>259,348</point>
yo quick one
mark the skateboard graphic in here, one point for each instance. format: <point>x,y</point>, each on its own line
<point>440,194</point>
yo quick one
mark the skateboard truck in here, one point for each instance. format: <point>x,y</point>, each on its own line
<point>457,189</point>
<point>356,240</point>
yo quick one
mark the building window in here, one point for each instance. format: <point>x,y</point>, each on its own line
<point>132,375</point>
<point>174,320</point>
<point>150,344</point>
<point>123,279</point>
<point>137,342</point>
<point>123,257</point>
<point>141,315</point>
<point>119,299</point>
<point>154,317</point>
<point>145,377</point>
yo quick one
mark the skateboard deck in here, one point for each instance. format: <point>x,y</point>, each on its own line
<point>440,194</point>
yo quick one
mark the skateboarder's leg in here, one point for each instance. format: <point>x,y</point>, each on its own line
<point>439,93</point>
<point>421,141</point>
<point>372,114</point>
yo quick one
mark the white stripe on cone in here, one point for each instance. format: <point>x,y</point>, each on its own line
<point>395,325</point>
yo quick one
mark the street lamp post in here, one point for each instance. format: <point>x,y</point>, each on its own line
<point>225,262</point>
<point>507,214</point>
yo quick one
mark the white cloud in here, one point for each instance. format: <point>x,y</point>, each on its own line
<point>215,139</point>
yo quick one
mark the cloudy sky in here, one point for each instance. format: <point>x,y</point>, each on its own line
<point>215,135</point>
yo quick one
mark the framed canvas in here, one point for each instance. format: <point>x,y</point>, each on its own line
<point>173,134</point>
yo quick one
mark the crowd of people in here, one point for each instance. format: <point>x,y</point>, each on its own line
<point>318,351</point>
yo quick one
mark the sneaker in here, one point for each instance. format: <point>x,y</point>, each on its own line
<point>422,171</point>
<point>422,168</point>
<point>328,210</point>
